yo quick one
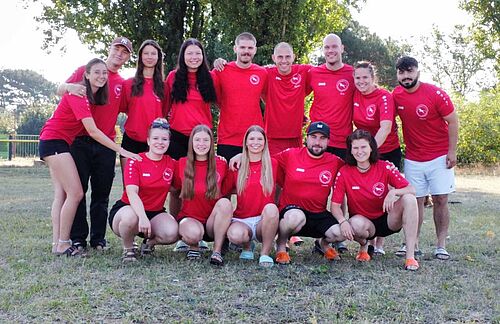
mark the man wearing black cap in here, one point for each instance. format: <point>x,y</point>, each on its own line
<point>306,175</point>
<point>94,161</point>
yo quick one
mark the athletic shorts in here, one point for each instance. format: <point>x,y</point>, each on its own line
<point>228,151</point>
<point>206,237</point>
<point>251,222</point>
<point>178,145</point>
<point>316,223</point>
<point>381,227</point>
<point>119,204</point>
<point>277,145</point>
<point>430,177</point>
<point>52,147</point>
<point>340,152</point>
<point>393,156</point>
<point>133,146</point>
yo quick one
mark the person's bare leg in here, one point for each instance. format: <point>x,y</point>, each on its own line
<point>268,227</point>
<point>291,223</point>
<point>441,215</point>
<point>219,221</point>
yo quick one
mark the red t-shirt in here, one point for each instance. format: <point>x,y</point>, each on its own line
<point>366,191</point>
<point>199,207</point>
<point>66,121</point>
<point>238,97</point>
<point>425,131</point>
<point>284,98</point>
<point>252,200</point>
<point>104,116</point>
<point>333,95</point>
<point>370,110</point>
<point>153,179</point>
<point>141,111</point>
<point>306,181</point>
<point>184,116</point>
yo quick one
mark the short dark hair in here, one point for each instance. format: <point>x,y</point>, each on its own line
<point>361,134</point>
<point>405,63</point>
<point>245,36</point>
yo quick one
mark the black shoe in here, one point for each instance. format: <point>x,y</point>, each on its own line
<point>100,245</point>
<point>80,246</point>
<point>371,250</point>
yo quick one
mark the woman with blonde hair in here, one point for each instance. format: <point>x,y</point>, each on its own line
<point>256,216</point>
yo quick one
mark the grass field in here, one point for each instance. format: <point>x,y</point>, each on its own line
<point>38,287</point>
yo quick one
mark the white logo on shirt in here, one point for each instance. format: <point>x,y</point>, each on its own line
<point>355,187</point>
<point>325,177</point>
<point>422,111</point>
<point>254,79</point>
<point>370,111</point>
<point>167,174</point>
<point>118,90</point>
<point>321,84</point>
<point>401,107</point>
<point>296,78</point>
<point>300,170</point>
<point>342,85</point>
<point>146,174</point>
<point>378,189</point>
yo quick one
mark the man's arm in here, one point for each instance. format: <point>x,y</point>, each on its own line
<point>451,157</point>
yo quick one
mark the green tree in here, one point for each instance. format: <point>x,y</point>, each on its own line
<point>24,88</point>
<point>33,118</point>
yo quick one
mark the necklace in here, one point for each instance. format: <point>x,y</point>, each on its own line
<point>363,169</point>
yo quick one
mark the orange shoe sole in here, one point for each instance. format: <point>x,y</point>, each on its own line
<point>282,257</point>
<point>331,254</point>
<point>363,257</point>
<point>411,265</point>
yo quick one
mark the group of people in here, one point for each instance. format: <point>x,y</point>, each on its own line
<point>281,185</point>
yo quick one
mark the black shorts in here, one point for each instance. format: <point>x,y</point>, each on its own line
<point>52,147</point>
<point>119,204</point>
<point>205,238</point>
<point>178,145</point>
<point>340,152</point>
<point>393,156</point>
<point>381,227</point>
<point>133,145</point>
<point>316,223</point>
<point>228,151</point>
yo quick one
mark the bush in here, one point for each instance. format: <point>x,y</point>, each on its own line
<point>479,133</point>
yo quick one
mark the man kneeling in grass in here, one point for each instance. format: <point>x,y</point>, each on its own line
<point>379,199</point>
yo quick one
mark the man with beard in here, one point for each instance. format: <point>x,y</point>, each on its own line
<point>430,131</point>
<point>306,175</point>
<point>94,161</point>
<point>239,87</point>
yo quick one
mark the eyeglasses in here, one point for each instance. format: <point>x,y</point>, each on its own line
<point>160,124</point>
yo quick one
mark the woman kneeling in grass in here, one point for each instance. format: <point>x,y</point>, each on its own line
<point>256,216</point>
<point>141,208</point>
<point>380,200</point>
<point>71,117</point>
<point>204,214</point>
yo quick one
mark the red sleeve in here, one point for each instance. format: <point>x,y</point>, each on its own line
<point>307,75</point>
<point>386,107</point>
<point>177,181</point>
<point>395,178</point>
<point>229,182</point>
<point>126,89</point>
<point>338,189</point>
<point>80,107</point>
<point>281,159</point>
<point>443,103</point>
<point>167,102</point>
<point>131,176</point>
<point>218,90</point>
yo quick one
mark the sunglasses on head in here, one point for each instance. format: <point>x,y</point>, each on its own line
<point>160,124</point>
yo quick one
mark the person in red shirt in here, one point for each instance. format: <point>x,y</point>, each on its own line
<point>94,161</point>
<point>333,86</point>
<point>239,88</point>
<point>303,171</point>
<point>189,91</point>
<point>256,216</point>
<point>204,213</point>
<point>373,110</point>
<point>379,199</point>
<point>430,131</point>
<point>141,211</point>
<point>72,115</point>
<point>143,97</point>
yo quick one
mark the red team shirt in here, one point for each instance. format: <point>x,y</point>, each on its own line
<point>104,116</point>
<point>141,111</point>
<point>370,110</point>
<point>252,200</point>
<point>199,207</point>
<point>306,181</point>
<point>153,179</point>
<point>333,99</point>
<point>424,129</point>
<point>238,97</point>
<point>366,191</point>
<point>284,96</point>
<point>184,116</point>
<point>66,121</point>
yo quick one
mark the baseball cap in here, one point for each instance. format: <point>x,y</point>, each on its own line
<point>124,41</point>
<point>319,127</point>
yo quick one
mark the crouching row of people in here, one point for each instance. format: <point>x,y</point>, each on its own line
<point>379,200</point>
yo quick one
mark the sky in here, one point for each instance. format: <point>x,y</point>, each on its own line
<point>22,41</point>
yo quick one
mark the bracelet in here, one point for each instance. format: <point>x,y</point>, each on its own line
<point>342,222</point>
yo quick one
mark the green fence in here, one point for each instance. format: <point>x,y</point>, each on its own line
<point>20,145</point>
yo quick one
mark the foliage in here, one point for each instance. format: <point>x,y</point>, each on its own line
<point>485,29</point>
<point>24,88</point>
<point>362,45</point>
<point>479,133</point>
<point>216,23</point>
<point>455,59</point>
<point>7,122</point>
<point>33,119</point>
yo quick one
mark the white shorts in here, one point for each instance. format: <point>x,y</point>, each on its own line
<point>430,177</point>
<point>250,222</point>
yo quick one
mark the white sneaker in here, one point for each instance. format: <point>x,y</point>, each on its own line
<point>379,251</point>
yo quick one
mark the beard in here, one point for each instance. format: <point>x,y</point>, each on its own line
<point>408,85</point>
<point>316,153</point>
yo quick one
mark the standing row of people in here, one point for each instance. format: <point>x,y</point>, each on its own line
<point>186,95</point>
